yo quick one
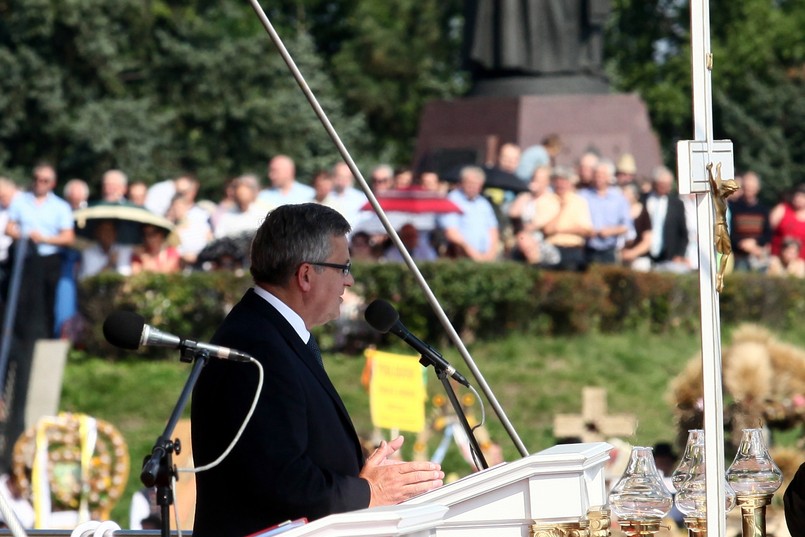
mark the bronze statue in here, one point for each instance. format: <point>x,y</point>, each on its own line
<point>534,37</point>
<point>721,190</point>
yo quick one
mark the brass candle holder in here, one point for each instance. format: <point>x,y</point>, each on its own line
<point>697,527</point>
<point>600,521</point>
<point>689,479</point>
<point>560,529</point>
<point>753,515</point>
<point>755,478</point>
<point>640,499</point>
<point>649,526</point>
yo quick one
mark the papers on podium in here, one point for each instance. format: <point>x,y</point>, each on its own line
<point>391,521</point>
<point>282,527</point>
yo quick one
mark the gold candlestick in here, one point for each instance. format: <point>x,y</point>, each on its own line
<point>600,522</point>
<point>649,526</point>
<point>566,529</point>
<point>753,515</point>
<point>697,527</point>
<point>755,478</point>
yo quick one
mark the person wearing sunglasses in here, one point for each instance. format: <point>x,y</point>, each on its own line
<point>45,219</point>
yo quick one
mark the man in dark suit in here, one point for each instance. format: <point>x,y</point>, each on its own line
<point>669,230</point>
<point>299,456</point>
<point>794,503</point>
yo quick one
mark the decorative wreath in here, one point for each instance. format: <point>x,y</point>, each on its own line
<point>763,384</point>
<point>85,459</point>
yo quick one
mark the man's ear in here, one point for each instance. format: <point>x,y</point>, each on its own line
<point>303,276</point>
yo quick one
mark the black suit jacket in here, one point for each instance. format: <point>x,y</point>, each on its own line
<point>674,231</point>
<point>299,455</point>
<point>794,503</point>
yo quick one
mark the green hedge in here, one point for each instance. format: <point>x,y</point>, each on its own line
<point>482,300</point>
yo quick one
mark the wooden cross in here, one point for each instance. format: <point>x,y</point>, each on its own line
<point>593,424</point>
<point>693,158</point>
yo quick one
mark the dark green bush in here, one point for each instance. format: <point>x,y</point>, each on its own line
<point>481,300</point>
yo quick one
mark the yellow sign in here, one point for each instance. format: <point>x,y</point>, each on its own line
<point>396,391</point>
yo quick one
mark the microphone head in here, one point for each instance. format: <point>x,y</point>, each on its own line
<point>381,315</point>
<point>124,329</point>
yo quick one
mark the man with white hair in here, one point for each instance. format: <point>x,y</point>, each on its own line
<point>669,230</point>
<point>76,193</point>
<point>611,219</point>
<point>474,232</point>
<point>114,184</point>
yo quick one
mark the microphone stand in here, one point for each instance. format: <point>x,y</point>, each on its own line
<point>158,468</point>
<point>443,375</point>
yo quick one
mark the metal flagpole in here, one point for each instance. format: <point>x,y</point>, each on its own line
<point>695,158</point>
<point>434,303</point>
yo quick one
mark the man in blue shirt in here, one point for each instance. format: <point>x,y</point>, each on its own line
<point>609,210</point>
<point>47,220</point>
<point>474,233</point>
<point>284,186</point>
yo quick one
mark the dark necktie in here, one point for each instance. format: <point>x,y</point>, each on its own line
<point>314,348</point>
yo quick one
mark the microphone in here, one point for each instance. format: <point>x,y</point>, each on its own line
<point>127,330</point>
<point>384,318</point>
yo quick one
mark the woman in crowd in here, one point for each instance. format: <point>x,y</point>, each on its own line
<point>154,254</point>
<point>789,262</point>
<point>787,220</point>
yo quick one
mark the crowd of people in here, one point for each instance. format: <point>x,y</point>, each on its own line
<point>566,218</point>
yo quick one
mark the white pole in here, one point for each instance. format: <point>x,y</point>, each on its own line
<point>710,315</point>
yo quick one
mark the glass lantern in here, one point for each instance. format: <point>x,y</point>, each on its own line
<point>691,493</point>
<point>753,472</point>
<point>640,495</point>
<point>681,472</point>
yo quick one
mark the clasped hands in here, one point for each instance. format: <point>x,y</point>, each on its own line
<point>392,481</point>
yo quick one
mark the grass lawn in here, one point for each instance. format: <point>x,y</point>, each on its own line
<point>532,378</point>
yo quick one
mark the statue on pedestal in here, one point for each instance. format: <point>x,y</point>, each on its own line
<point>560,41</point>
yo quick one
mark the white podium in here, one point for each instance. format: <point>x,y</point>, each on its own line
<point>555,486</point>
<point>408,520</point>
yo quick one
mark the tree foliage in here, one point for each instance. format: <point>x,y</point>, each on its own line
<point>400,55</point>
<point>155,88</point>
<point>758,77</point>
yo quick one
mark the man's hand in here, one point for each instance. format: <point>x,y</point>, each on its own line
<point>393,481</point>
<point>37,237</point>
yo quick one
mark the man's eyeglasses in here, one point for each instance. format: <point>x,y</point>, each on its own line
<point>343,268</point>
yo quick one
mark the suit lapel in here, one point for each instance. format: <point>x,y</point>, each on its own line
<point>301,349</point>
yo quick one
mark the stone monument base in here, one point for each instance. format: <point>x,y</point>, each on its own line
<point>515,86</point>
<point>459,131</point>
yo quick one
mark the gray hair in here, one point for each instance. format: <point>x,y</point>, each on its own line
<point>250,180</point>
<point>116,175</point>
<point>477,171</point>
<point>608,164</point>
<point>385,169</point>
<point>76,183</point>
<point>291,235</point>
<point>661,172</point>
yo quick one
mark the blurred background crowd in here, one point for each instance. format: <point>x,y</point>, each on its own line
<point>518,205</point>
